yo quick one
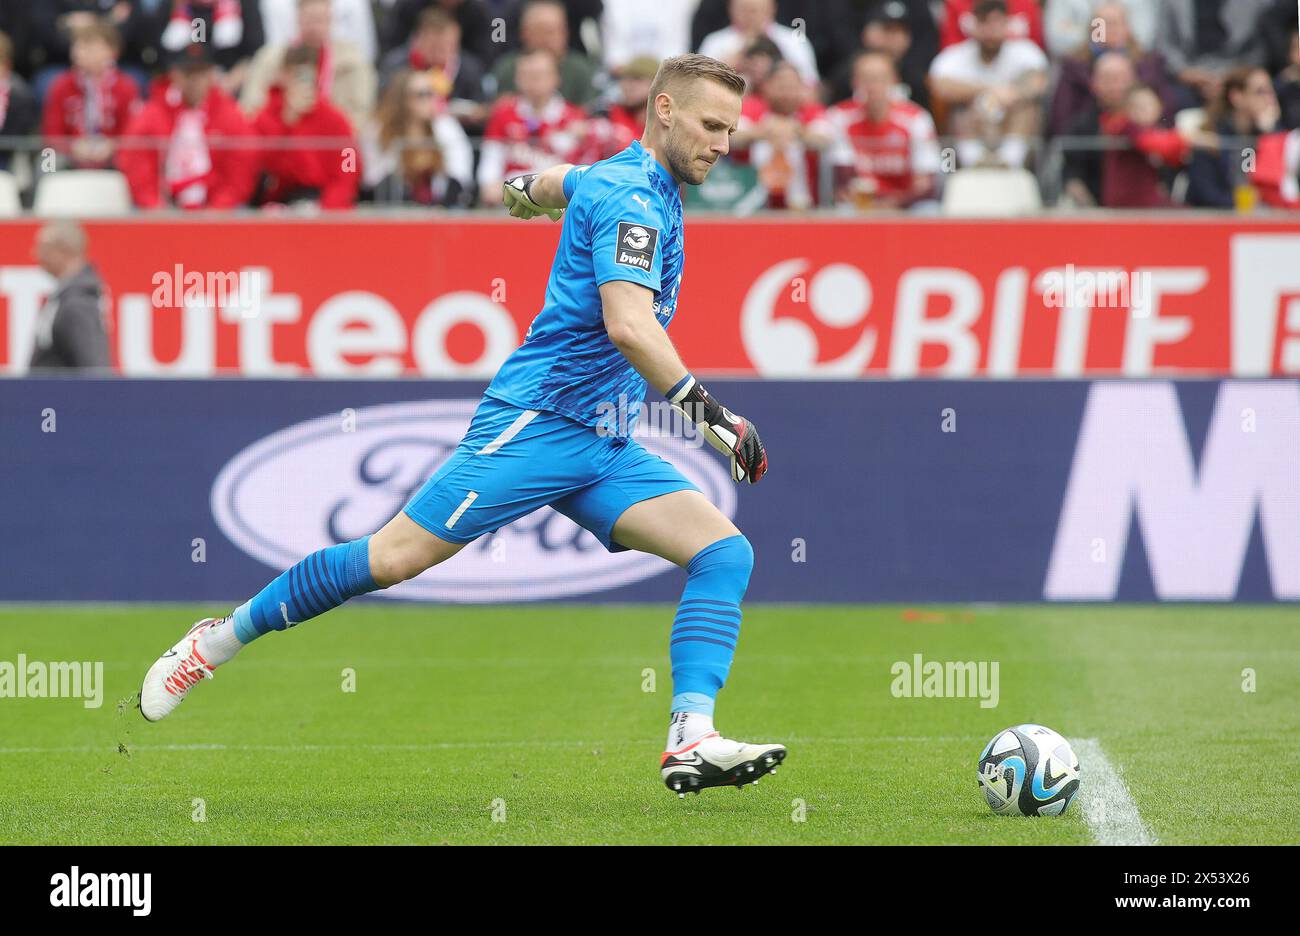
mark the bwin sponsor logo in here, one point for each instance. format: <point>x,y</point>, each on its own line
<point>634,259</point>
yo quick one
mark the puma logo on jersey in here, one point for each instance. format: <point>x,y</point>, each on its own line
<point>643,202</point>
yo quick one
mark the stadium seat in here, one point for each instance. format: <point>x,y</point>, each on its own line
<point>82,193</point>
<point>991,193</point>
<point>10,206</point>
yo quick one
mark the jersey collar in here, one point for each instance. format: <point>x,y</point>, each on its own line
<point>653,166</point>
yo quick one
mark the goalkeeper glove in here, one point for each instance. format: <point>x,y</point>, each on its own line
<point>517,195</point>
<point>725,431</point>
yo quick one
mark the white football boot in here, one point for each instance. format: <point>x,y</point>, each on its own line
<point>715,761</point>
<point>175,673</point>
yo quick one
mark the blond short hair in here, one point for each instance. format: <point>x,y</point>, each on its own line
<point>684,69</point>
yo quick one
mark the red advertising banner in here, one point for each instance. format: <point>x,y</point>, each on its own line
<point>773,296</point>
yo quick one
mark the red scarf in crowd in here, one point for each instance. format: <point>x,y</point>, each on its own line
<point>227,23</point>
<point>96,101</point>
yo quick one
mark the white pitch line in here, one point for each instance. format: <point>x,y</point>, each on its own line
<point>1107,805</point>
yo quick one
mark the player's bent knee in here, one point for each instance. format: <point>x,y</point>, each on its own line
<point>730,559</point>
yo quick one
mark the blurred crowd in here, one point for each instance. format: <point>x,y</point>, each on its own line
<point>852,103</point>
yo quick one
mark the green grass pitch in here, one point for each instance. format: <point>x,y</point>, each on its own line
<point>539,716</point>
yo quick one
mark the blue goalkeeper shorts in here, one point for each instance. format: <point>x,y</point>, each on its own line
<point>513,461</point>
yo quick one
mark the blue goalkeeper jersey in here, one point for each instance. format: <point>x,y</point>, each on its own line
<point>623,222</point>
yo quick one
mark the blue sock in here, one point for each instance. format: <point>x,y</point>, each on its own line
<point>708,623</point>
<point>324,580</point>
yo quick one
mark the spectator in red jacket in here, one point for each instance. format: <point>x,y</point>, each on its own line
<point>886,151</point>
<point>1024,21</point>
<point>203,155</point>
<point>1136,178</point>
<point>92,102</point>
<point>532,130</point>
<point>326,173</point>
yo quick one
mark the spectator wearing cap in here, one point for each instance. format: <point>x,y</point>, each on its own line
<point>343,76</point>
<point>1111,34</point>
<point>886,151</point>
<point>415,151</point>
<point>202,153</point>
<point>784,131</point>
<point>91,103</point>
<point>18,111</point>
<point>751,19</point>
<point>544,25</point>
<point>633,29</point>
<point>353,20</point>
<point>298,165</point>
<point>889,29</point>
<point>1202,40</point>
<point>1024,21</point>
<point>455,74</point>
<point>531,130</point>
<point>1069,25</point>
<point>990,87</point>
<point>70,329</point>
<point>615,126</point>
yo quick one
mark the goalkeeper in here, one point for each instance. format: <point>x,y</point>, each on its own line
<point>554,428</point>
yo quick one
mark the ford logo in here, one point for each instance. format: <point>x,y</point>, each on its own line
<point>335,478</point>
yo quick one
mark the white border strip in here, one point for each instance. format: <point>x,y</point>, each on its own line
<point>1104,799</point>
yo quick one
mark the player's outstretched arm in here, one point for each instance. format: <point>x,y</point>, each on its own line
<point>630,322</point>
<point>536,193</point>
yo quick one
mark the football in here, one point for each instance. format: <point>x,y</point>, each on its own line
<point>1028,770</point>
